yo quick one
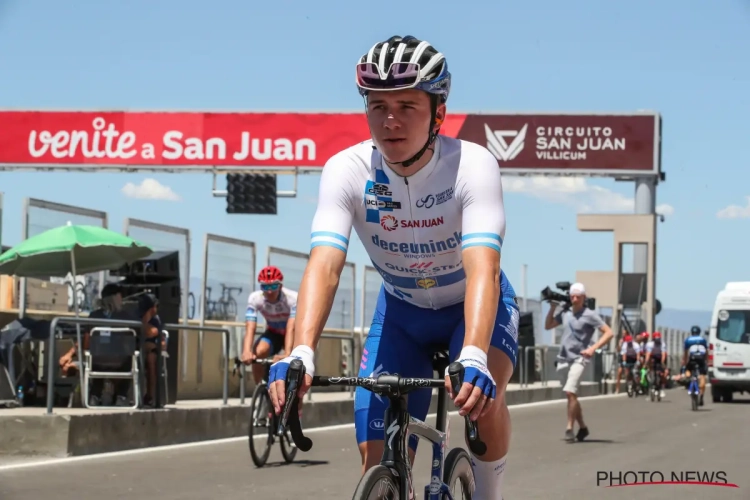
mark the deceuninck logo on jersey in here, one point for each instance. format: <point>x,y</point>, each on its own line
<point>378,198</point>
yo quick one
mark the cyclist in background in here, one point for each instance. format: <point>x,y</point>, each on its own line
<point>630,351</point>
<point>656,360</point>
<point>278,305</point>
<point>694,358</point>
<point>641,370</point>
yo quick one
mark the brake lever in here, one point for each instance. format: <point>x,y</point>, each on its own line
<point>290,412</point>
<point>476,445</point>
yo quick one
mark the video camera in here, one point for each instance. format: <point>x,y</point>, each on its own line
<point>564,298</point>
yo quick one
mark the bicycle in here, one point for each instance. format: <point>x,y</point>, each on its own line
<point>191,305</point>
<point>655,383</point>
<point>694,388</point>
<point>260,409</point>
<point>227,304</point>
<point>392,478</point>
<point>630,380</point>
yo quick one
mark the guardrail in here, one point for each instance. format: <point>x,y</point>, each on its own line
<point>53,363</point>
<point>52,358</point>
<point>523,379</point>
<point>335,336</point>
<point>224,349</point>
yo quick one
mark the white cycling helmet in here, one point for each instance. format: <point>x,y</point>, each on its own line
<point>406,63</point>
<point>402,63</point>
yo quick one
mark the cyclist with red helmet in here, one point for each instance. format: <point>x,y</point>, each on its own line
<point>278,306</point>
<point>656,360</point>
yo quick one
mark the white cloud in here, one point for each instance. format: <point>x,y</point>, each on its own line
<point>735,211</point>
<point>575,192</point>
<point>150,189</point>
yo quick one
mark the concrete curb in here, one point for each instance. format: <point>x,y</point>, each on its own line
<point>77,435</point>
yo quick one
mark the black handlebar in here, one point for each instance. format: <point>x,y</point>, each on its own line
<point>384,384</point>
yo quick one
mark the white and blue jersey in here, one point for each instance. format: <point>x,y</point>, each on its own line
<point>696,346</point>
<point>414,230</point>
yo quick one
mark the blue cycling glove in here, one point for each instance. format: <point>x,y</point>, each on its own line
<point>279,369</point>
<point>476,373</point>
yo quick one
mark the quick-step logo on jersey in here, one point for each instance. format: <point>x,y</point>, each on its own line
<point>378,197</point>
<point>426,250</point>
<point>427,268</point>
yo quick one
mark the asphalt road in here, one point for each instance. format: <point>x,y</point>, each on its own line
<point>626,435</point>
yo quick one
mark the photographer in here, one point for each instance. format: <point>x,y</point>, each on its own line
<point>576,348</point>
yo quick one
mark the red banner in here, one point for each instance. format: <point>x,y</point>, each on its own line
<point>614,143</point>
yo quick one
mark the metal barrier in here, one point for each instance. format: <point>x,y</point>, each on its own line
<point>53,363</point>
<point>371,283</point>
<point>232,269</point>
<point>243,381</point>
<point>153,234</point>
<point>523,379</point>
<point>224,349</point>
<point>87,287</point>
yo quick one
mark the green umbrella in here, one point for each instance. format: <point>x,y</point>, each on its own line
<point>71,249</point>
<point>75,250</point>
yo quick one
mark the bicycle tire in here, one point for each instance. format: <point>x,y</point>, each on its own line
<point>458,467</point>
<point>288,448</point>
<point>378,483</point>
<point>260,395</point>
<point>231,310</point>
<point>191,305</point>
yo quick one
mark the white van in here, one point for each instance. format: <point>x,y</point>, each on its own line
<point>729,342</point>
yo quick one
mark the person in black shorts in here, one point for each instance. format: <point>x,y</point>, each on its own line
<point>629,353</point>
<point>656,360</point>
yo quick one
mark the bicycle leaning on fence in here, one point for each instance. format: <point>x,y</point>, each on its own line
<point>262,416</point>
<point>224,309</point>
<point>392,478</point>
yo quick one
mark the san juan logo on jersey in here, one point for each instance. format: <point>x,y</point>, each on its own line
<point>379,197</point>
<point>389,223</point>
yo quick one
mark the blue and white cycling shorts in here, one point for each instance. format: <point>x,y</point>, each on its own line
<point>403,339</point>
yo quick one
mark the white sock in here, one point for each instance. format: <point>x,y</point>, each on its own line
<point>488,477</point>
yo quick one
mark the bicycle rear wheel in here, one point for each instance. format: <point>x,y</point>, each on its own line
<point>260,450</point>
<point>458,469</point>
<point>378,483</point>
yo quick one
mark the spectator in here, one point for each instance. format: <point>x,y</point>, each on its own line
<point>576,350</point>
<point>110,307</point>
<point>148,312</point>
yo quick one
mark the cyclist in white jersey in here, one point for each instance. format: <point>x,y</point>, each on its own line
<point>429,211</point>
<point>278,306</point>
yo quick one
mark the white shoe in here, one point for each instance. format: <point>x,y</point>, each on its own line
<point>663,394</point>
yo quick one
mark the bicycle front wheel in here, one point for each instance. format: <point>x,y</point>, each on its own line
<point>259,408</point>
<point>458,474</point>
<point>288,448</point>
<point>378,483</point>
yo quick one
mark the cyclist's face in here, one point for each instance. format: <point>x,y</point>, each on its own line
<point>399,122</point>
<point>271,291</point>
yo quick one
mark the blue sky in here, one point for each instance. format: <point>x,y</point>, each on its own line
<point>685,59</point>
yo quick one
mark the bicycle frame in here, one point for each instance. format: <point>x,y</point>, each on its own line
<point>398,425</point>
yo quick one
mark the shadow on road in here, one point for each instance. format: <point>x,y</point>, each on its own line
<point>587,440</point>
<point>297,463</point>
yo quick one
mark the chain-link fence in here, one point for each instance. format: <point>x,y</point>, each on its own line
<point>55,293</point>
<point>292,264</point>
